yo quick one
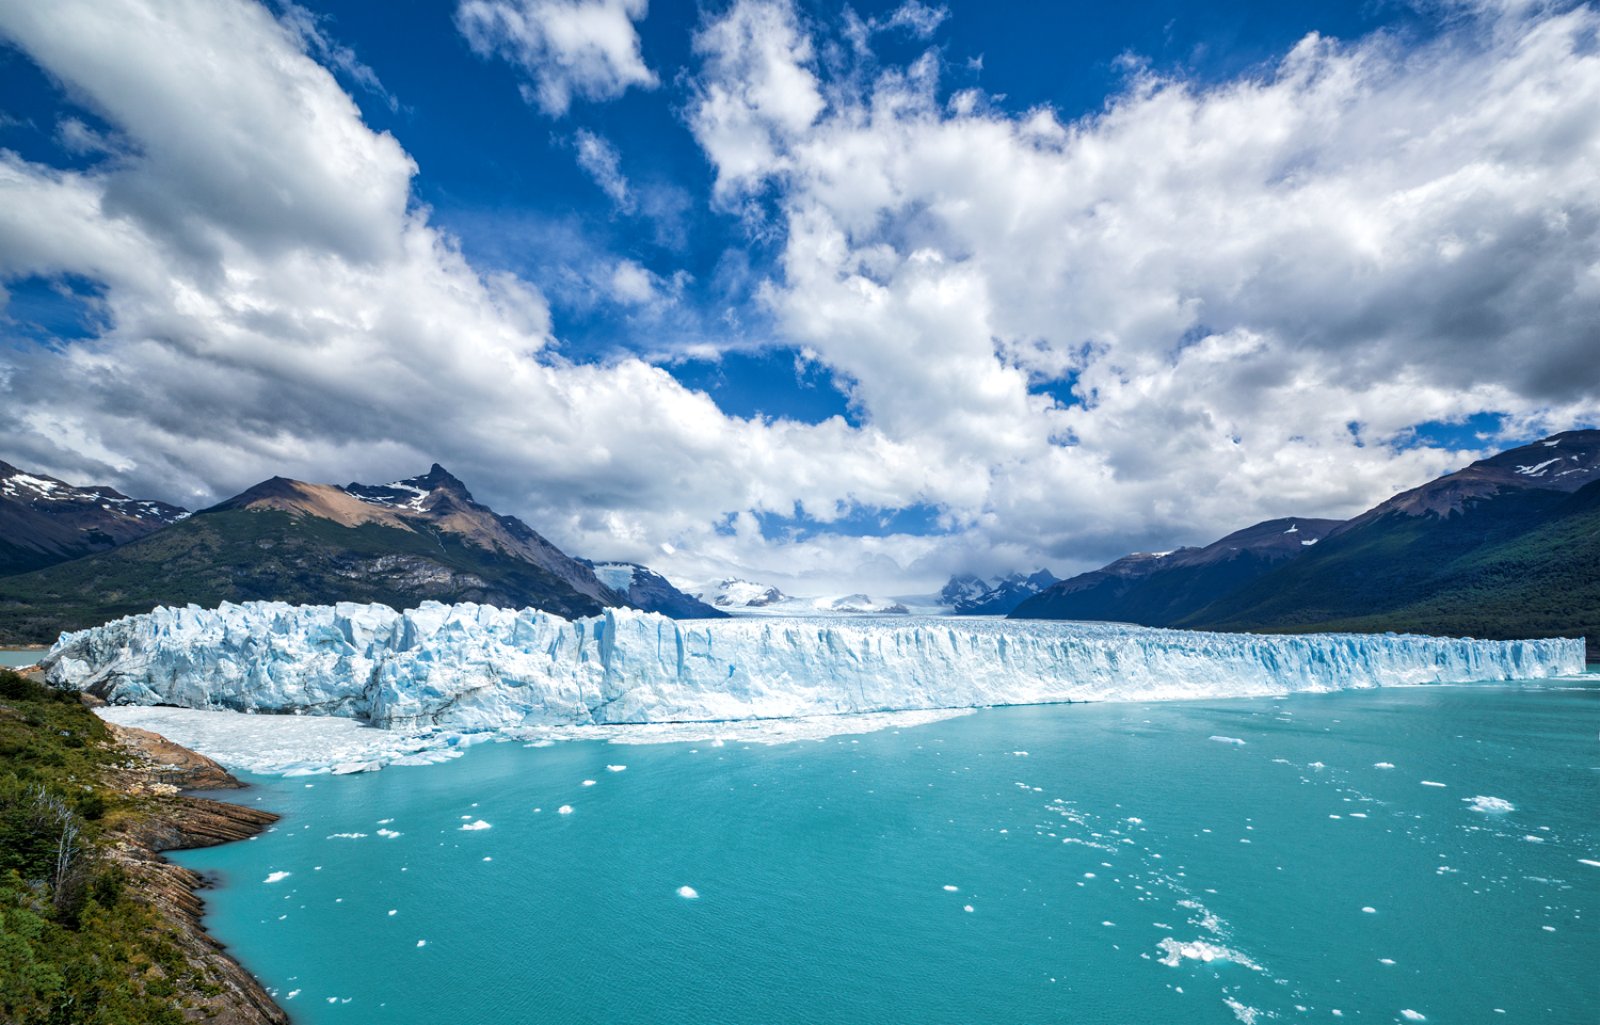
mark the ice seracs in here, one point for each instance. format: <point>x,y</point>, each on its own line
<point>478,667</point>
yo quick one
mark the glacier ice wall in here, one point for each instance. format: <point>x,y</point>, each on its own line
<point>472,666</point>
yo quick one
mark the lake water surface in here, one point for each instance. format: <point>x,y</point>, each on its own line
<point>1330,857</point>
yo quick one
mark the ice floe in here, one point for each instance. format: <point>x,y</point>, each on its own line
<point>1490,804</point>
<point>475,826</point>
<point>1175,952</point>
<point>688,893</point>
<point>1228,740</point>
<point>276,877</point>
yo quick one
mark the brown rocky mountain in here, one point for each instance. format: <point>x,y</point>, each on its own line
<point>44,521</point>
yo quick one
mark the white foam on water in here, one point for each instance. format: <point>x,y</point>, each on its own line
<point>688,893</point>
<point>276,877</point>
<point>389,834</point>
<point>1228,740</point>
<point>1490,804</point>
<point>347,836</point>
<point>474,826</point>
<point>1241,1011</point>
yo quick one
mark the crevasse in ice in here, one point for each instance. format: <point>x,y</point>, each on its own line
<point>475,666</point>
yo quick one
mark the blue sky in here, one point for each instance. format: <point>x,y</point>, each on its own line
<point>836,296</point>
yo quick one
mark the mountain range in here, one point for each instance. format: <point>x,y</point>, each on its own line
<point>44,521</point>
<point>968,595</point>
<point>1506,547</point>
<point>399,544</point>
<point>746,597</point>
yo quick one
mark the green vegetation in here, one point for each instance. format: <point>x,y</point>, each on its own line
<point>1519,566</point>
<point>76,946</point>
<point>258,555</point>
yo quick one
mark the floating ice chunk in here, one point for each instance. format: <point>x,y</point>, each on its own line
<point>1174,952</point>
<point>1383,765</point>
<point>1228,740</point>
<point>1533,839</point>
<point>1589,861</point>
<point>1409,1015</point>
<point>1370,911</point>
<point>422,943</point>
<point>389,834</point>
<point>474,826</point>
<point>949,889</point>
<point>1431,783</point>
<point>1020,754</point>
<point>688,893</point>
<point>588,782</point>
<point>1386,960</point>
<point>565,809</point>
<point>276,877</point>
<point>1490,804</point>
<point>616,768</point>
<point>393,912</point>
<point>1108,923</point>
<point>292,994</point>
<point>1244,1012</point>
<point>966,907</point>
<point>347,836</point>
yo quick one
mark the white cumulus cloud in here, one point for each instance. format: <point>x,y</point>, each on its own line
<point>586,49</point>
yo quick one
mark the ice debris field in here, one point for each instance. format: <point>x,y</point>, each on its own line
<point>437,673</point>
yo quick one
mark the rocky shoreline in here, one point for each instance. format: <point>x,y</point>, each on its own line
<point>157,773</point>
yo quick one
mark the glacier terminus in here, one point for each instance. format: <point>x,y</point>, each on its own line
<point>470,667</point>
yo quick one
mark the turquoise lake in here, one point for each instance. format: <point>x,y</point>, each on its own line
<point>20,656</point>
<point>1221,861</point>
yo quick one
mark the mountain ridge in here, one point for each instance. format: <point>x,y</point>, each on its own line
<point>401,543</point>
<point>1506,547</point>
<point>45,521</point>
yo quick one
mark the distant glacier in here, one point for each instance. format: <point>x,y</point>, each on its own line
<point>478,667</point>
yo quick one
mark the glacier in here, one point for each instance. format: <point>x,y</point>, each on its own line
<point>476,667</point>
